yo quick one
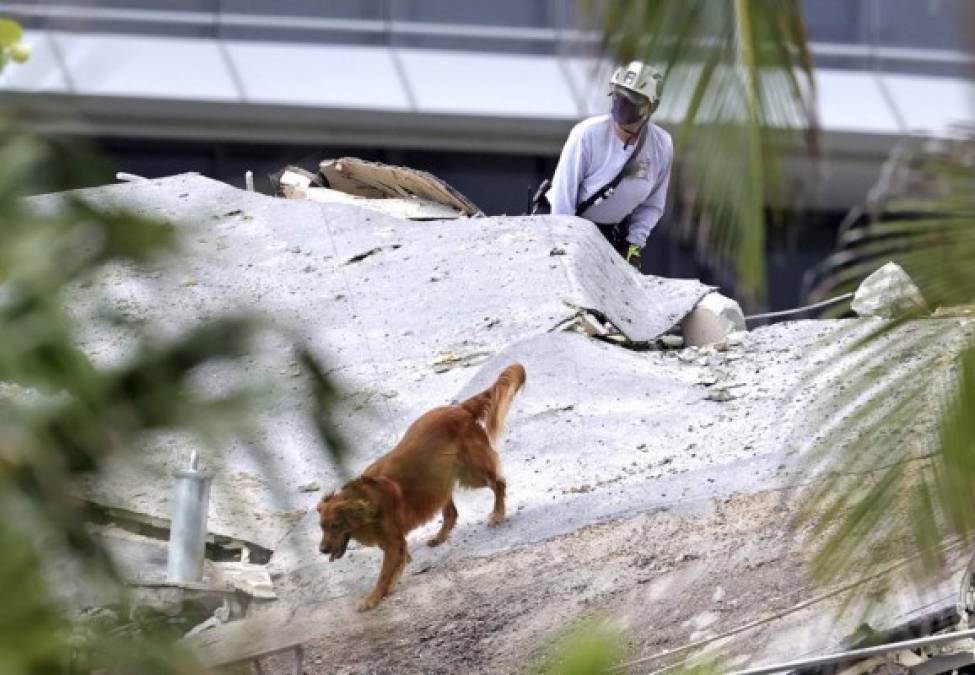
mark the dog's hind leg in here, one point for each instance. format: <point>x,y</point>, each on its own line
<point>498,486</point>
<point>449,520</point>
<point>481,467</point>
<point>395,557</point>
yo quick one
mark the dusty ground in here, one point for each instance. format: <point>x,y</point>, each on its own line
<point>670,577</point>
<point>713,557</point>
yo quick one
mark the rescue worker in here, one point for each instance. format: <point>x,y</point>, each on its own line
<point>614,168</point>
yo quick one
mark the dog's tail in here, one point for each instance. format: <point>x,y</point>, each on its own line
<point>490,407</point>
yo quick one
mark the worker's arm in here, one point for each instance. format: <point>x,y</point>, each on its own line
<point>567,179</point>
<point>646,216</point>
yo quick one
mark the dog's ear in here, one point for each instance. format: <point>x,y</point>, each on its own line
<point>323,501</point>
<point>386,486</point>
<point>356,513</point>
<point>388,494</point>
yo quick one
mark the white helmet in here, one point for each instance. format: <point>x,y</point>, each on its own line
<point>640,78</point>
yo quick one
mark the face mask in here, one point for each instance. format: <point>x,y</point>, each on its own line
<point>627,112</point>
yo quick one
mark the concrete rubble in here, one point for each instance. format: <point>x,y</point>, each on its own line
<point>642,473</point>
<point>887,293</point>
<point>375,297</point>
<point>227,591</point>
<point>712,320</point>
<point>141,560</point>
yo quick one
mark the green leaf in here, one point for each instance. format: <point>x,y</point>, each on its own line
<point>20,52</point>
<point>590,648</point>
<point>10,33</point>
<point>32,630</point>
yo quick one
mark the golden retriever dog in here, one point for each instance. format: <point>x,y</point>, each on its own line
<point>410,484</point>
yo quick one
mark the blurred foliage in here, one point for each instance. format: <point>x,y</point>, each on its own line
<point>62,416</point>
<point>898,450</point>
<point>32,629</point>
<point>739,75</point>
<point>12,47</point>
<point>598,647</point>
<point>896,217</point>
<point>590,648</point>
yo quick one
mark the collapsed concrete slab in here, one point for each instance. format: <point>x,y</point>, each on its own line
<point>228,588</point>
<point>612,455</point>
<point>399,310</point>
<point>410,208</point>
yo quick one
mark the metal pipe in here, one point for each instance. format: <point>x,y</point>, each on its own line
<point>855,654</point>
<point>800,310</point>
<point>188,530</point>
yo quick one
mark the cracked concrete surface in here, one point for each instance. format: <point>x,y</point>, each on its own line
<point>400,310</point>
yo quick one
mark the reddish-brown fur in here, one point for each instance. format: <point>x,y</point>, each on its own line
<point>410,484</point>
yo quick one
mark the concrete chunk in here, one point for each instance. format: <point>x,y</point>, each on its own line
<point>712,320</point>
<point>252,580</point>
<point>887,293</point>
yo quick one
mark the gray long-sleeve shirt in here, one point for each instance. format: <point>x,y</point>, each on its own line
<point>591,158</point>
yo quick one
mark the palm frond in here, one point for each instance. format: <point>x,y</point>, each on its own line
<point>738,75</point>
<point>919,203</point>
<point>895,464</point>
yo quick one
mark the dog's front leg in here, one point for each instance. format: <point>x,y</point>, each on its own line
<point>394,560</point>
<point>449,520</point>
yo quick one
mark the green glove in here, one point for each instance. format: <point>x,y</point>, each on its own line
<point>633,256</point>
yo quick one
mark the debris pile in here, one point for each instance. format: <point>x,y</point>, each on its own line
<point>623,417</point>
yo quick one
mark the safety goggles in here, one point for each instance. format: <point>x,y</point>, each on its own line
<point>629,106</point>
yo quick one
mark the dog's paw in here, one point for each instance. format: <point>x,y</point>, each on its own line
<point>495,519</point>
<point>366,604</point>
